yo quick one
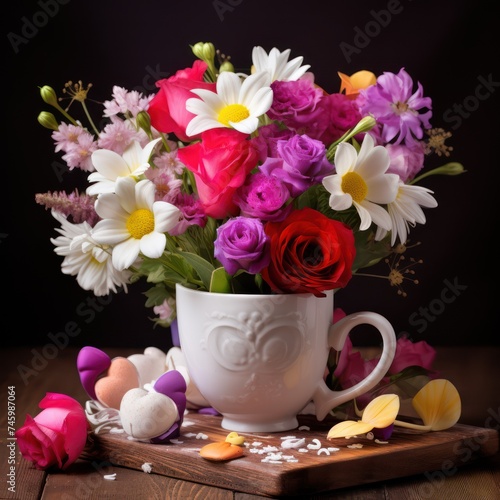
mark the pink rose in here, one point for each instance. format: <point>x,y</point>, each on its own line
<point>168,108</point>
<point>220,163</point>
<point>57,435</point>
<point>352,367</point>
<point>410,353</point>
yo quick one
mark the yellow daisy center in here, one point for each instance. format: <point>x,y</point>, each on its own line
<point>140,223</point>
<point>233,113</point>
<point>354,184</point>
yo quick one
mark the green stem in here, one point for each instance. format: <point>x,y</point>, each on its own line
<point>452,168</point>
<point>65,114</point>
<point>89,118</point>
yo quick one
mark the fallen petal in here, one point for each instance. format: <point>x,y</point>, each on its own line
<point>438,404</point>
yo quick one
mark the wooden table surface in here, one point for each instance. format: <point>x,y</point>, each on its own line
<point>34,371</point>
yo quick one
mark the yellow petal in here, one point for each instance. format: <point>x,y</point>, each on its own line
<point>348,428</point>
<point>363,79</point>
<point>438,404</point>
<point>235,438</point>
<point>381,411</point>
<point>357,81</point>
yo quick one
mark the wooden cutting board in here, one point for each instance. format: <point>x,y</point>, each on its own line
<point>315,468</point>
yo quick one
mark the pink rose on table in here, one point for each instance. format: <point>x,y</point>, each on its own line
<point>57,435</point>
<point>220,164</point>
<point>410,353</point>
<point>352,367</point>
<point>168,108</point>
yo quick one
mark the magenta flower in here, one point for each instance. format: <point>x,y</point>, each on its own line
<point>57,435</point>
<point>403,114</point>
<point>242,243</point>
<point>342,113</point>
<point>296,104</point>
<point>192,212</point>
<point>263,197</point>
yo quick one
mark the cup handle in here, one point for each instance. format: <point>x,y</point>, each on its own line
<point>324,398</point>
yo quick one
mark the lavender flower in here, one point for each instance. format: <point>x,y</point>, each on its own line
<point>393,105</point>
<point>80,207</point>
<point>263,197</point>
<point>242,243</point>
<point>406,161</point>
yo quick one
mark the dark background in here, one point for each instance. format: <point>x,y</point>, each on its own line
<point>450,47</point>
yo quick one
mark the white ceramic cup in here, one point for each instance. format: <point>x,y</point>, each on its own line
<point>260,359</point>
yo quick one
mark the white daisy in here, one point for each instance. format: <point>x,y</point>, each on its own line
<point>110,166</point>
<point>237,104</point>
<point>85,259</point>
<point>133,222</point>
<point>277,65</point>
<point>361,180</point>
<point>405,211</point>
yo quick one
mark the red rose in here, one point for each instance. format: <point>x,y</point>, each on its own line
<point>309,253</point>
<point>168,108</point>
<point>57,435</point>
<point>220,163</point>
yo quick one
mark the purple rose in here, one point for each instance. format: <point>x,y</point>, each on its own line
<point>267,139</point>
<point>302,162</point>
<point>242,243</point>
<point>296,105</point>
<point>263,197</point>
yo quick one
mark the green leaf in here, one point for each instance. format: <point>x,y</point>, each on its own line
<point>368,251</point>
<point>156,295</point>
<point>201,266</point>
<point>220,281</point>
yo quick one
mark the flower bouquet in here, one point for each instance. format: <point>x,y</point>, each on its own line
<point>254,181</point>
<point>257,181</point>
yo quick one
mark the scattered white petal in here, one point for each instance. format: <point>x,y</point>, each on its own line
<point>303,450</point>
<point>254,450</point>
<point>187,423</point>
<point>293,443</point>
<point>269,449</point>
<point>146,467</point>
<point>315,445</point>
<point>304,428</point>
<point>109,477</point>
<point>256,443</point>
<point>200,435</point>
<point>378,441</point>
<point>176,441</point>
<point>355,445</point>
<point>190,434</point>
<point>370,436</point>
<point>323,451</point>
<point>288,437</point>
<point>331,448</point>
